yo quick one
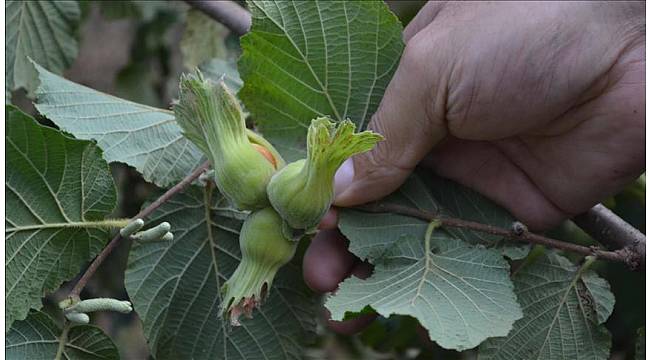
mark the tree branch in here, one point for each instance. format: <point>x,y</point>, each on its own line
<point>612,231</point>
<point>90,271</point>
<point>626,255</point>
<point>228,13</point>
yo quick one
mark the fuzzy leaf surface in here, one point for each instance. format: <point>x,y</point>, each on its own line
<point>39,337</point>
<point>57,189</point>
<point>42,31</point>
<point>175,288</point>
<point>302,60</point>
<point>426,192</point>
<point>461,294</point>
<point>142,136</point>
<point>561,315</point>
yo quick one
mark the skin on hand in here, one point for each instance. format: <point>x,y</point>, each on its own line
<point>538,106</point>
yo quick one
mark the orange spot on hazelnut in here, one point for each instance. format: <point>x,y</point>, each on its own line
<point>266,153</point>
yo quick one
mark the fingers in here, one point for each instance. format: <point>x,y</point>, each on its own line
<point>410,117</point>
<point>327,261</point>
<point>483,167</point>
<point>352,326</point>
<point>361,270</point>
<point>424,17</point>
<point>329,221</point>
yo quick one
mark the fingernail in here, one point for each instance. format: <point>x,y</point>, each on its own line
<point>343,177</point>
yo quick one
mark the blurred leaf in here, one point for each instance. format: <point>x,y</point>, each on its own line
<point>42,31</point>
<point>563,314</point>
<point>136,83</point>
<point>216,68</point>
<point>150,8</point>
<point>39,337</point>
<point>144,137</point>
<point>119,9</point>
<point>308,59</point>
<point>639,353</point>
<point>58,191</point>
<point>394,333</point>
<point>203,39</point>
<point>175,288</point>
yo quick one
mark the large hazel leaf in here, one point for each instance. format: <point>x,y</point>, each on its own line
<point>304,59</point>
<point>461,294</point>
<point>464,282</point>
<point>40,337</point>
<point>58,191</point>
<point>175,288</point>
<point>144,137</point>
<point>42,31</point>
<point>563,314</point>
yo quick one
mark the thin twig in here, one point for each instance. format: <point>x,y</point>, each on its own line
<point>90,271</point>
<point>228,13</point>
<point>622,255</point>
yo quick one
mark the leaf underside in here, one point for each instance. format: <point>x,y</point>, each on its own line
<point>175,289</point>
<point>460,291</point>
<point>54,186</point>
<point>38,337</point>
<point>144,137</point>
<point>42,31</point>
<point>461,294</point>
<point>426,192</point>
<point>562,318</point>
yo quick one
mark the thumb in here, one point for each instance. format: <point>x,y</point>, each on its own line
<point>410,119</point>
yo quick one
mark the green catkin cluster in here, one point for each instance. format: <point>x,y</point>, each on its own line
<point>284,200</point>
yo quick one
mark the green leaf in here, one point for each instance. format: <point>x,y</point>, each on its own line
<point>39,337</point>
<point>203,39</point>
<point>561,314</point>
<point>42,31</point>
<point>639,351</point>
<point>427,192</point>
<point>461,202</point>
<point>461,294</point>
<point>175,289</point>
<point>144,137</point>
<point>598,289</point>
<point>58,191</point>
<point>115,10</point>
<point>302,60</point>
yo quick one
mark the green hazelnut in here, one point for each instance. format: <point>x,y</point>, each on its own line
<point>243,162</point>
<point>303,191</point>
<point>264,250</point>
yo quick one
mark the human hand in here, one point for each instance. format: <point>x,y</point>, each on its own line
<point>538,106</point>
